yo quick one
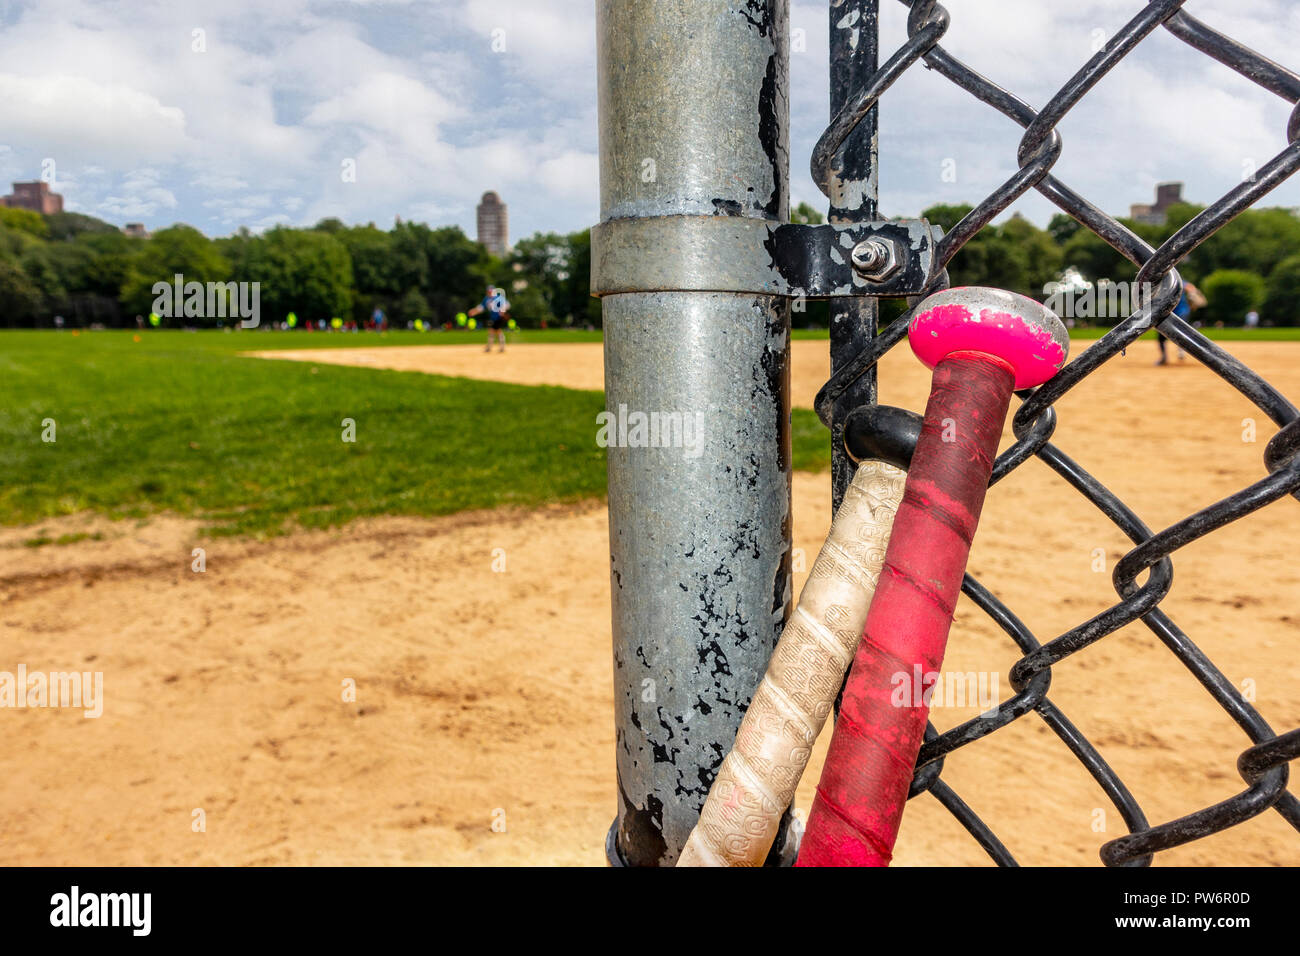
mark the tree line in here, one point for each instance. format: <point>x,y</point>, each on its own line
<point>1252,263</point>
<point>88,272</point>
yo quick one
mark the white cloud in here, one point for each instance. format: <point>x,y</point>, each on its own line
<point>254,129</point>
<point>81,118</point>
<point>401,108</point>
<point>570,175</point>
<point>142,196</point>
<point>551,40</point>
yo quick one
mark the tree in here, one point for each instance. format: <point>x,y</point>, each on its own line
<point>1032,257</point>
<point>1256,241</point>
<point>14,241</point>
<point>545,262</point>
<point>23,220</point>
<point>946,215</point>
<point>971,262</point>
<point>69,225</point>
<point>1016,255</point>
<point>448,268</point>
<point>88,274</point>
<point>20,299</point>
<point>301,271</point>
<point>374,272</point>
<point>108,261</point>
<point>41,266</point>
<point>414,307</point>
<point>459,269</point>
<point>1231,294</point>
<point>1063,228</point>
<point>178,250</point>
<point>806,214</point>
<point>1282,301</point>
<point>1180,214</point>
<point>582,305</point>
<point>1095,258</point>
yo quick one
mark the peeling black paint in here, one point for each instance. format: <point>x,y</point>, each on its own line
<point>727,207</point>
<point>759,14</point>
<point>705,775</point>
<point>812,260</point>
<point>709,774</point>
<point>769,134</point>
<point>662,753</point>
<point>659,712</point>
<point>775,369</point>
<point>640,831</point>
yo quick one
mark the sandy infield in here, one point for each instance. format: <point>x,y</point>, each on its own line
<point>486,697</point>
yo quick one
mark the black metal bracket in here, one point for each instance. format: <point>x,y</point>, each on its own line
<point>820,260</point>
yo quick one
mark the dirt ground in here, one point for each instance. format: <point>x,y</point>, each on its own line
<point>484,697</point>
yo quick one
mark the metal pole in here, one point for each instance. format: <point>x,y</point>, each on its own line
<point>693,121</point>
<point>854,49</point>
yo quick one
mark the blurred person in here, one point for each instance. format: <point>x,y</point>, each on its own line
<point>497,308</point>
<point>1192,298</point>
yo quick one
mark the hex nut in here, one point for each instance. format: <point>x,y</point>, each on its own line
<point>875,259</point>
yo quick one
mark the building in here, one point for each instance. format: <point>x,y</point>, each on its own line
<point>136,230</point>
<point>1167,194</point>
<point>493,224</point>
<point>34,197</point>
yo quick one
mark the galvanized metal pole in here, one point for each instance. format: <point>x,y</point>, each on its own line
<point>693,121</point>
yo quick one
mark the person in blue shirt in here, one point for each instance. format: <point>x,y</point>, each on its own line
<point>1191,299</point>
<point>497,309</point>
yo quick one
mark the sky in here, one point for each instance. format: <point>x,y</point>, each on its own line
<point>261,112</point>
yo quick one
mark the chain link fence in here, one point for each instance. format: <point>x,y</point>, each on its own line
<point>1263,764</point>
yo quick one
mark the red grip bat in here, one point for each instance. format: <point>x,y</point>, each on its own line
<point>982,345</point>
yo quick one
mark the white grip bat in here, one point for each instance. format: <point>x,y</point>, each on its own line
<point>757,779</point>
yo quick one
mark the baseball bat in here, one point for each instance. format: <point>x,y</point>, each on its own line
<point>982,344</point>
<point>757,779</point>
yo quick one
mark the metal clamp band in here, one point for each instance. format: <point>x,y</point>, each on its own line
<point>734,254</point>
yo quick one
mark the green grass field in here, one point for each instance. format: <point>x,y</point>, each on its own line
<point>180,422</point>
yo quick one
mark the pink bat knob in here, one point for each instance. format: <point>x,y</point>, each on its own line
<point>1023,333</point>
